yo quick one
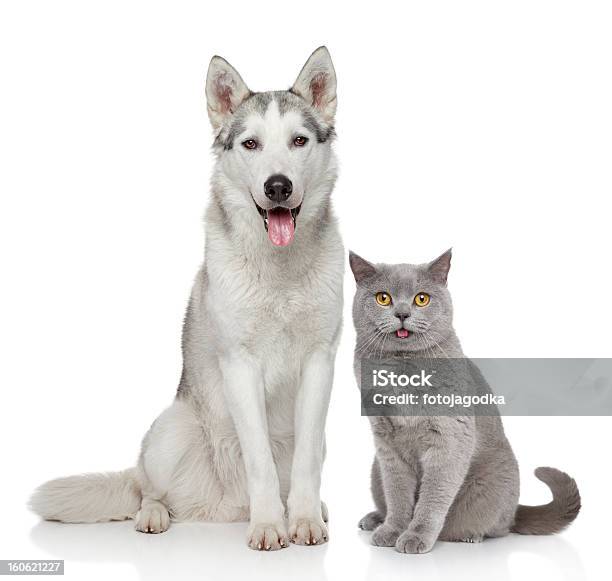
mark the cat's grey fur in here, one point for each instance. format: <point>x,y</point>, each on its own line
<point>447,478</point>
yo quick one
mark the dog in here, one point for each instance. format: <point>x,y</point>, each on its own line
<point>244,437</point>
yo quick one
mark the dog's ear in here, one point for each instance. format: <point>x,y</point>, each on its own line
<point>225,90</point>
<point>361,268</point>
<point>438,268</point>
<point>316,83</point>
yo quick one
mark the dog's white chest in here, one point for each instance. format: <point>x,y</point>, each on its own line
<point>278,320</point>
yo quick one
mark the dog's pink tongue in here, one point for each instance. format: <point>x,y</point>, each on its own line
<point>280,226</point>
<point>402,333</point>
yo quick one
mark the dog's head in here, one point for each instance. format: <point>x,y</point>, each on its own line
<point>274,148</point>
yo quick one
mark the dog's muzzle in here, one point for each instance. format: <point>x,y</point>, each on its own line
<point>279,223</point>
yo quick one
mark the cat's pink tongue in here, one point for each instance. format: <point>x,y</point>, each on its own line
<point>402,333</point>
<point>280,226</point>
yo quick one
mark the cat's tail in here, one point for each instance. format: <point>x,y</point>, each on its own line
<point>89,498</point>
<point>553,517</point>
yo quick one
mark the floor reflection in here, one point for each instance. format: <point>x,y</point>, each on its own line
<point>217,551</point>
<point>187,551</point>
<point>481,561</point>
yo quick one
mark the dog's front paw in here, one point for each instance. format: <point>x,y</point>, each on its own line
<point>267,536</point>
<point>153,518</point>
<point>308,531</point>
<point>385,536</point>
<point>415,543</point>
<point>370,521</point>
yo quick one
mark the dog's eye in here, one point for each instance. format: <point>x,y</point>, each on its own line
<point>383,299</point>
<point>421,300</point>
<point>250,144</point>
<point>300,141</point>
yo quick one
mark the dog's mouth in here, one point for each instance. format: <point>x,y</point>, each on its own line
<point>279,223</point>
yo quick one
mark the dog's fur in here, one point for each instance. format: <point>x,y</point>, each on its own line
<point>245,434</point>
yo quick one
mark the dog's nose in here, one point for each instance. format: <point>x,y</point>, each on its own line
<point>278,188</point>
<point>402,316</point>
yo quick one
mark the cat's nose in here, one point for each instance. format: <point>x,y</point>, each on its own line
<point>402,316</point>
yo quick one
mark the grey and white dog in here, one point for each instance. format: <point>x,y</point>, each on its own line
<point>245,434</point>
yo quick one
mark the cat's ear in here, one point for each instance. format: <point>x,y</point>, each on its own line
<point>438,268</point>
<point>361,268</point>
<point>225,91</point>
<point>316,83</point>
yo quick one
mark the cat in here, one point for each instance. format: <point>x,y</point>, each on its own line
<point>438,478</point>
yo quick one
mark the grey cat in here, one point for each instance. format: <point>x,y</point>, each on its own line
<point>447,478</point>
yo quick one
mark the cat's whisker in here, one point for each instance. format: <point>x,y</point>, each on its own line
<point>368,340</point>
<point>370,347</point>
<point>428,349</point>
<point>429,333</point>
<point>379,343</point>
<point>370,335</point>
<point>429,337</point>
<point>384,342</point>
<point>362,344</point>
<point>422,344</point>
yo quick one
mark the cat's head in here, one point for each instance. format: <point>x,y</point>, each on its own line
<point>401,307</point>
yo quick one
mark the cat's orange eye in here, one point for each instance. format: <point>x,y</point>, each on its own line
<point>421,300</point>
<point>383,299</point>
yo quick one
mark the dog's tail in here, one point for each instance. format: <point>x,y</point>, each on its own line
<point>553,517</point>
<point>89,498</point>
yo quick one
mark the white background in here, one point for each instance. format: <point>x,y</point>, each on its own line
<point>481,125</point>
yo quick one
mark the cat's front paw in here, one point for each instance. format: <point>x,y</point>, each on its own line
<point>370,521</point>
<point>414,543</point>
<point>385,536</point>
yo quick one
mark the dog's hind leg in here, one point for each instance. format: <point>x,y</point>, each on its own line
<point>158,462</point>
<point>176,474</point>
<point>153,516</point>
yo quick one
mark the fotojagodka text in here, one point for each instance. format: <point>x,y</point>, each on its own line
<point>385,378</point>
<point>463,386</point>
